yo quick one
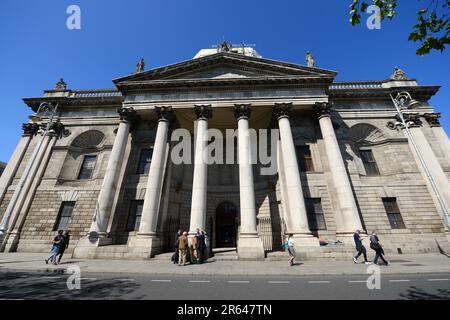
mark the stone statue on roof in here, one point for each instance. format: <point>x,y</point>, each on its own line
<point>310,60</point>
<point>140,66</point>
<point>224,47</point>
<point>399,74</point>
<point>61,85</point>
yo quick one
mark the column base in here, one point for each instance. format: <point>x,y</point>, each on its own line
<point>144,247</point>
<point>88,246</point>
<point>9,242</point>
<point>250,248</point>
<point>306,242</point>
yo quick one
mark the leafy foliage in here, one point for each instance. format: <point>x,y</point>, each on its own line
<point>432,29</point>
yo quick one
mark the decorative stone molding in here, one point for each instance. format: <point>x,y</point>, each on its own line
<point>30,129</point>
<point>203,111</point>
<point>412,119</point>
<point>282,110</point>
<point>61,85</point>
<point>322,109</point>
<point>433,119</point>
<point>58,130</point>
<point>164,113</point>
<point>127,114</point>
<point>242,111</point>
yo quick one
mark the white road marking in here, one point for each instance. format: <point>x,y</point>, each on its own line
<point>235,281</point>
<point>318,282</point>
<point>403,280</point>
<point>438,279</point>
<point>51,277</point>
<point>357,281</point>
<point>89,279</point>
<point>279,282</point>
<point>129,280</point>
<point>161,280</point>
<point>199,281</point>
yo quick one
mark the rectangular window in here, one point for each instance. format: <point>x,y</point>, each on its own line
<point>64,215</point>
<point>369,162</point>
<point>87,168</point>
<point>393,213</point>
<point>145,160</point>
<point>316,218</point>
<point>305,163</point>
<point>134,217</point>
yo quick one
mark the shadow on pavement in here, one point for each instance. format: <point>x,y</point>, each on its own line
<point>34,286</point>
<point>415,293</point>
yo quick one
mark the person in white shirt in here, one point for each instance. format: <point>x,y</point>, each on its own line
<point>291,249</point>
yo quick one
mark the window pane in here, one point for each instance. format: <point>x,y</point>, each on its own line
<point>316,218</point>
<point>134,218</point>
<point>145,160</point>
<point>305,163</point>
<point>65,215</point>
<point>87,168</point>
<point>393,213</point>
<point>369,162</point>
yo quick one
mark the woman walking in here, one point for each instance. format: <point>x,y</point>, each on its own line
<point>291,249</point>
<point>378,248</point>
<point>64,244</point>
<point>55,248</point>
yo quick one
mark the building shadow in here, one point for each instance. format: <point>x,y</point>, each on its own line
<point>415,293</point>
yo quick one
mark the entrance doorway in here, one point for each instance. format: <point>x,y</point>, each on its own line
<point>226,214</point>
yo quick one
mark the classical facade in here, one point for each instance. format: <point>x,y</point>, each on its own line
<point>2,167</point>
<point>103,167</point>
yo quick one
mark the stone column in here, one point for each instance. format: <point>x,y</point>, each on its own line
<point>250,245</point>
<point>349,217</point>
<point>156,175</point>
<point>439,177</point>
<point>27,186</point>
<point>296,218</point>
<point>108,191</point>
<point>439,133</point>
<point>29,130</point>
<point>199,184</point>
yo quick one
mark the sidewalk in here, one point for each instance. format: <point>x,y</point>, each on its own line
<point>400,264</point>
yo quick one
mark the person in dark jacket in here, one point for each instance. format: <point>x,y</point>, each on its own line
<point>177,253</point>
<point>361,250</point>
<point>63,245</point>
<point>201,246</point>
<point>55,247</point>
<point>378,248</point>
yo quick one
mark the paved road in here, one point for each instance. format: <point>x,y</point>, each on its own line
<point>29,285</point>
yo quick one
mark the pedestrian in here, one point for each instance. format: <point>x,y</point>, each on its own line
<point>194,249</point>
<point>361,250</point>
<point>55,247</point>
<point>183,247</point>
<point>201,247</point>
<point>65,239</point>
<point>176,254</point>
<point>291,249</point>
<point>378,248</point>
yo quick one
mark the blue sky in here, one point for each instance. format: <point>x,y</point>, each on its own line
<point>37,48</point>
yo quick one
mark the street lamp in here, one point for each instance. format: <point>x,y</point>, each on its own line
<point>45,110</point>
<point>403,101</point>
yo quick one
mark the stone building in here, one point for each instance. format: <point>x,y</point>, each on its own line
<point>103,166</point>
<point>2,167</point>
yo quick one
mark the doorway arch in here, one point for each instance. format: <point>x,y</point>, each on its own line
<point>226,229</point>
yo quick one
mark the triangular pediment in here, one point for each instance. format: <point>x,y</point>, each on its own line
<point>223,66</point>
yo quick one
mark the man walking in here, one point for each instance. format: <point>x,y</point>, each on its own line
<point>361,250</point>
<point>55,247</point>
<point>65,239</point>
<point>201,246</point>
<point>176,254</point>
<point>378,248</point>
<point>183,246</point>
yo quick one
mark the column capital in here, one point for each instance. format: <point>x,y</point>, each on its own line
<point>126,114</point>
<point>57,129</point>
<point>30,129</point>
<point>412,119</point>
<point>322,109</point>
<point>203,111</point>
<point>433,119</point>
<point>164,113</point>
<point>282,110</point>
<point>242,111</point>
